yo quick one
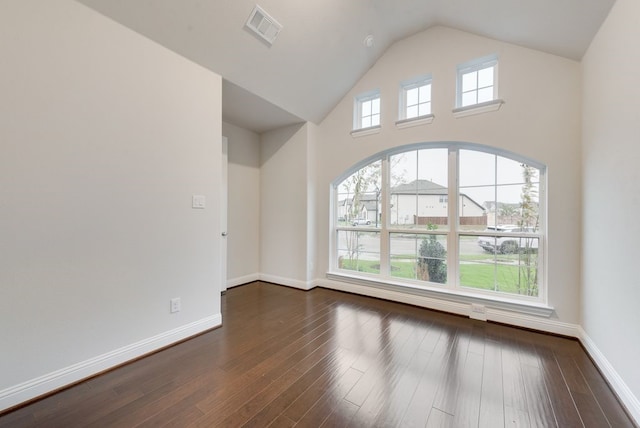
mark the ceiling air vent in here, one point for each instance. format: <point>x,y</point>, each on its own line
<point>263,25</point>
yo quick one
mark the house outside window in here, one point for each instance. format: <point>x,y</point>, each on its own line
<point>397,230</point>
<point>415,98</point>
<point>477,81</point>
<point>367,110</point>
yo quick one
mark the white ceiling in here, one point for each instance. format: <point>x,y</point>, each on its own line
<point>319,55</point>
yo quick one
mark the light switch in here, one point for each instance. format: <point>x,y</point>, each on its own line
<point>198,201</point>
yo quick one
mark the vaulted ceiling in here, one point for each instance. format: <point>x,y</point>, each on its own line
<point>320,52</point>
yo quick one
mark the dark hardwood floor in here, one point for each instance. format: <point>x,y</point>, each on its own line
<point>321,358</point>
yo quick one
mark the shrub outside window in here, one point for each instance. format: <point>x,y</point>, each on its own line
<point>394,221</point>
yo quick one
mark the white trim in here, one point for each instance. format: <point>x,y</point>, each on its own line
<point>408,85</point>
<point>357,108</point>
<point>485,107</point>
<point>294,283</point>
<point>415,121</point>
<point>628,399</point>
<point>241,280</point>
<point>363,132</point>
<point>53,381</point>
<point>492,314</point>
<point>493,304</point>
<point>477,64</point>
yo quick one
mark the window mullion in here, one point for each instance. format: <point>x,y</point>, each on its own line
<point>384,232</point>
<point>452,238</point>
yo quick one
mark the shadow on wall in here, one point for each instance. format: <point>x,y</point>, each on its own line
<point>272,141</point>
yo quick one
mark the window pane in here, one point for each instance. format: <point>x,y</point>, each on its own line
<point>375,106</point>
<point>509,171</point>
<point>366,108</point>
<point>469,98</point>
<point>375,120</point>
<point>412,97</point>
<point>421,257</point>
<point>477,168</point>
<point>485,94</point>
<point>403,173</point>
<point>424,109</point>
<point>485,77</point>
<point>359,251</point>
<point>504,264</point>
<point>404,250</point>
<point>366,121</point>
<point>477,266</point>
<point>425,93</point>
<point>359,197</point>
<point>433,165</point>
<point>470,81</point>
<point>412,112</point>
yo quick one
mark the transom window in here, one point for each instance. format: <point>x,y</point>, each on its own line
<point>394,222</point>
<point>477,82</point>
<point>415,98</point>
<point>367,110</point>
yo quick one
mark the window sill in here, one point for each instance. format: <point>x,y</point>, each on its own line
<point>493,105</point>
<point>365,131</point>
<point>415,121</point>
<point>496,303</point>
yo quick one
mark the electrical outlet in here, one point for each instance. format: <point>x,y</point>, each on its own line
<point>478,312</point>
<point>175,305</point>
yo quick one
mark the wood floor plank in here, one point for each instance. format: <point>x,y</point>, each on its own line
<point>615,414</point>
<point>564,408</point>
<point>467,410</point>
<point>586,403</point>
<point>439,419</point>
<point>539,406</point>
<point>286,357</point>
<point>341,416</point>
<point>397,357</point>
<point>447,396</point>
<point>419,407</point>
<point>492,392</point>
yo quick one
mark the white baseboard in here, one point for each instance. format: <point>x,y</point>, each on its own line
<point>295,283</point>
<point>50,382</point>
<point>234,282</point>
<point>628,399</point>
<point>460,308</point>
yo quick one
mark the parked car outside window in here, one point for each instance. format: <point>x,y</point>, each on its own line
<point>361,221</point>
<point>508,244</point>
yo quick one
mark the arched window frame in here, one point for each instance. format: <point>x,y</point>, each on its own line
<point>536,305</point>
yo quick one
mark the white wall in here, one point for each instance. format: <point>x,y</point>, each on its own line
<point>540,119</point>
<point>611,137</point>
<point>243,221</point>
<point>105,136</point>
<point>284,191</point>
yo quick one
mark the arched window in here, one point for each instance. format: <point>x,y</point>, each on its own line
<point>458,217</point>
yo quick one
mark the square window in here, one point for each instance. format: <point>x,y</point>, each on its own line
<point>415,98</point>
<point>367,110</point>
<point>477,81</point>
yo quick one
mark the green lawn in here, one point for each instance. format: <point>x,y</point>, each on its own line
<point>488,276</point>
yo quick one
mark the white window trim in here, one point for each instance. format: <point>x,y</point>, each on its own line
<point>476,65</point>
<point>485,107</point>
<point>357,109</point>
<point>407,85</point>
<point>490,302</point>
<point>453,291</point>
<point>363,132</point>
<point>415,121</point>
